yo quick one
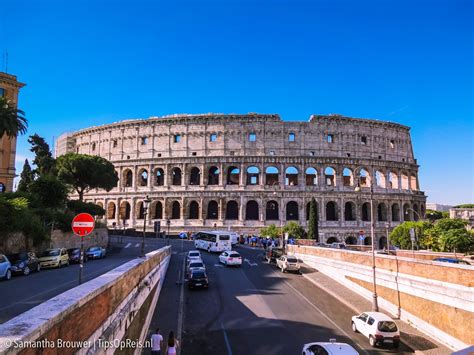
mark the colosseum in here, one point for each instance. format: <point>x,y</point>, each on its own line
<point>243,172</point>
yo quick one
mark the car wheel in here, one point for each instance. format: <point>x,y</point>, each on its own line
<point>372,341</point>
<point>38,267</point>
<point>26,271</point>
<point>354,328</point>
<point>8,275</point>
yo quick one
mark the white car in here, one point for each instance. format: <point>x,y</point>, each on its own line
<point>331,348</point>
<point>230,258</point>
<point>378,327</point>
<point>194,255</point>
<point>195,265</point>
<point>288,263</point>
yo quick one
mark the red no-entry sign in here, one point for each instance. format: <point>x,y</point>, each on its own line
<point>83,224</point>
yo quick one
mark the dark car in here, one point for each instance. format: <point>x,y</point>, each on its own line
<point>24,263</point>
<point>273,253</point>
<point>452,260</point>
<point>96,253</point>
<point>198,278</point>
<point>75,255</point>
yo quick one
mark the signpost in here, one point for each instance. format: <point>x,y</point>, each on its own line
<point>413,240</point>
<point>82,225</point>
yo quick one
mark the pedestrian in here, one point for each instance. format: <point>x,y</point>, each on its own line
<point>173,344</point>
<point>156,342</point>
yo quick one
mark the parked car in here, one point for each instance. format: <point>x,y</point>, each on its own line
<point>288,263</point>
<point>96,253</point>
<point>198,278</point>
<point>378,327</point>
<point>75,255</point>
<point>24,263</point>
<point>5,271</point>
<point>329,348</point>
<point>195,265</point>
<point>452,260</point>
<point>338,245</point>
<point>230,258</point>
<point>56,257</point>
<point>194,255</point>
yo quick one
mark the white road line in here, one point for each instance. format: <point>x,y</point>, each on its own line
<point>325,316</point>
<point>181,307</point>
<point>128,245</point>
<point>137,245</point>
<point>250,263</point>
<point>226,339</point>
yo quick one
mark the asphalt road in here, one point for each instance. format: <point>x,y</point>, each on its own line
<point>24,292</point>
<point>254,309</point>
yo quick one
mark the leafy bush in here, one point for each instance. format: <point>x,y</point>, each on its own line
<point>459,240</point>
<point>271,231</point>
<point>77,206</point>
<point>294,230</point>
<point>400,235</point>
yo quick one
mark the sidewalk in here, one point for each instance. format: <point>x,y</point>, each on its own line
<point>416,340</point>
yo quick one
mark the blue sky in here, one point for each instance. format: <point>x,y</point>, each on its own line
<point>94,62</point>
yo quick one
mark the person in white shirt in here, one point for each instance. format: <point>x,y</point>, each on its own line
<point>156,342</point>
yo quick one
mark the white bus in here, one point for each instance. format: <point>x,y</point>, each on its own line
<point>234,237</point>
<point>212,241</point>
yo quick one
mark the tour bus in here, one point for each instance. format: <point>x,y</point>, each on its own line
<point>212,241</point>
<point>234,237</point>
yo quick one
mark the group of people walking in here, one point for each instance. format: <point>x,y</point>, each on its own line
<point>157,344</point>
<point>256,241</point>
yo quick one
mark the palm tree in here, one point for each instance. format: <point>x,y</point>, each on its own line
<point>12,120</point>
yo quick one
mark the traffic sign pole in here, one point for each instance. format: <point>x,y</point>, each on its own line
<point>82,225</point>
<point>81,265</point>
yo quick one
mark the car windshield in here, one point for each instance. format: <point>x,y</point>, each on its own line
<point>224,237</point>
<point>196,265</point>
<point>234,255</point>
<point>194,254</point>
<point>387,326</point>
<point>53,252</point>
<point>198,275</point>
<point>94,249</point>
<point>292,260</point>
<point>15,257</point>
<point>74,251</point>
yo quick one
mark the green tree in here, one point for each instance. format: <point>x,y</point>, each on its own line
<point>271,231</point>
<point>44,161</point>
<point>12,120</point>
<point>433,215</point>
<point>400,235</point>
<point>77,206</point>
<point>86,172</point>
<point>466,205</point>
<point>26,177</point>
<point>459,240</point>
<point>48,192</point>
<point>294,230</point>
<point>313,228</point>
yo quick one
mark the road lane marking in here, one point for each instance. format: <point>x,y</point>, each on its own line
<point>128,245</point>
<point>218,265</point>
<point>326,316</point>
<point>226,339</point>
<point>181,306</point>
<point>250,263</point>
<point>137,245</point>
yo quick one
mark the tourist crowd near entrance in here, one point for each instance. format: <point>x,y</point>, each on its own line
<point>243,172</point>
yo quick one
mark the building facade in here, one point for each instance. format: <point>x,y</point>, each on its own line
<point>463,213</point>
<point>243,172</point>
<point>9,88</point>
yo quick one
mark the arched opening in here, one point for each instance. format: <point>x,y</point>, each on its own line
<point>232,210</point>
<point>212,210</point>
<point>331,211</point>
<point>331,240</point>
<point>382,212</point>
<point>292,211</point>
<point>193,210</point>
<point>213,177</point>
<point>111,210</point>
<point>349,211</point>
<point>176,176</point>
<point>380,179</point>
<point>175,210</point>
<point>125,210</point>
<point>347,177</point>
<point>311,177</point>
<point>271,176</point>
<point>127,178</point>
<point>195,176</point>
<point>392,180</point>
<point>404,181</point>
<point>413,182</point>
<point>253,174</point>
<point>383,243</point>
<point>291,176</point>
<point>395,212</point>
<point>422,210</point>
<point>271,211</point>
<point>159,177</point>
<point>251,211</point>
<point>351,240</point>
<point>367,241</point>
<point>308,211</point>
<point>416,212</point>
<point>233,176</point>
<point>330,176</point>
<point>364,178</point>
<point>143,177</point>
<point>366,215</point>
<point>406,212</point>
<point>158,212</point>
<point>139,210</point>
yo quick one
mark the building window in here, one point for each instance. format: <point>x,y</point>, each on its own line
<point>312,153</point>
<point>114,143</point>
<point>144,140</point>
<point>93,147</point>
<point>272,152</point>
<point>363,140</point>
<point>213,137</point>
<point>2,92</point>
<point>392,144</point>
<point>330,138</point>
<point>177,138</point>
<point>252,137</point>
<point>194,154</point>
<point>291,137</point>
<point>232,152</point>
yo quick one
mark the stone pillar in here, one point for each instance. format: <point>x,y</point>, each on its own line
<point>221,209</point>
<point>201,209</point>
<point>132,212</point>
<point>261,210</point>
<point>221,174</point>
<point>184,175</point>
<point>201,170</point>
<point>242,210</point>
<point>150,177</point>
<point>243,174</point>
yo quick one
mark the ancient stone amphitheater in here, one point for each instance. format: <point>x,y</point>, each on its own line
<point>243,172</point>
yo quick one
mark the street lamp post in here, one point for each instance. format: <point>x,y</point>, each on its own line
<point>146,202</point>
<point>375,306</point>
<point>417,214</point>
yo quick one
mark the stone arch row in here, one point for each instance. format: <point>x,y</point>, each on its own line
<point>383,178</point>
<point>271,211</point>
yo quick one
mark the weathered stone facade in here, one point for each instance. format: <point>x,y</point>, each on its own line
<point>247,171</point>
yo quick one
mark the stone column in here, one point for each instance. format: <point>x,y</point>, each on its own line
<point>201,180</point>
<point>242,210</point>
<point>150,177</point>
<point>184,175</point>
<point>243,174</point>
<point>221,209</point>
<point>132,212</point>
<point>221,174</point>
